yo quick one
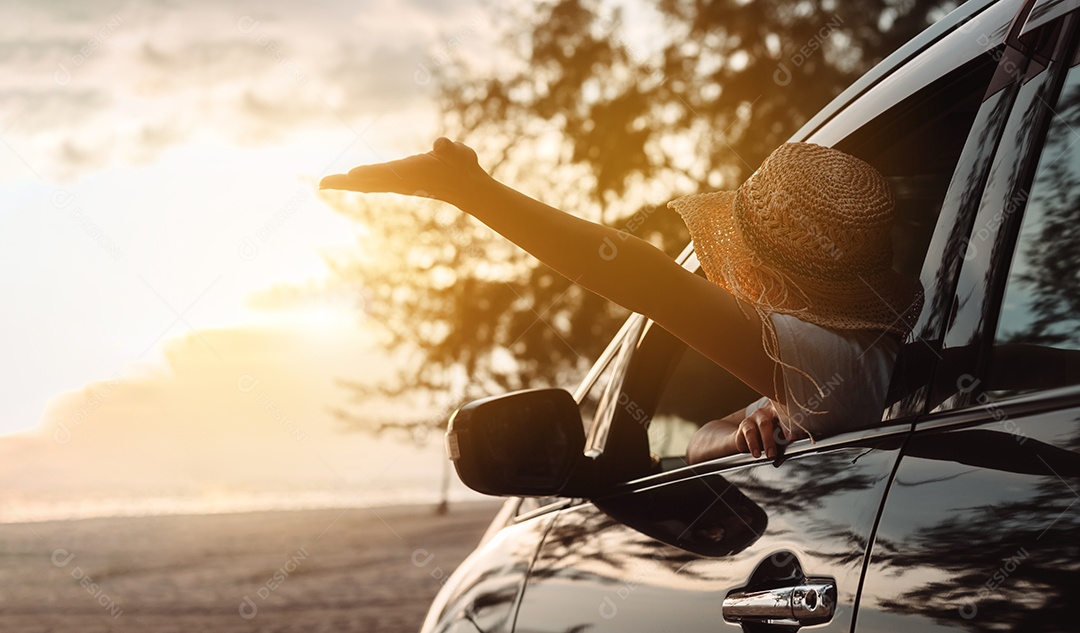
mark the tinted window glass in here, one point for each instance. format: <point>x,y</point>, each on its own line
<point>917,145</point>
<point>697,391</point>
<point>1038,333</point>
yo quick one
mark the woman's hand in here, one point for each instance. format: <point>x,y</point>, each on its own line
<point>450,172</point>
<point>758,433</point>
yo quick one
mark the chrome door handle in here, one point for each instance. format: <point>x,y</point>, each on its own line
<point>805,604</point>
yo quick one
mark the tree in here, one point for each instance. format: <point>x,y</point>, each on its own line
<point>608,126</point>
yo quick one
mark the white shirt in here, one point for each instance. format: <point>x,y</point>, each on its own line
<point>851,369</point>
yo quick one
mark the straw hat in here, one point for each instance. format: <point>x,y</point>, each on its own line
<point>807,235</point>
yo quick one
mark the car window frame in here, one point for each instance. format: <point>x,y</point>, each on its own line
<point>689,261</point>
<point>996,24</point>
<point>972,335</point>
<point>911,390</point>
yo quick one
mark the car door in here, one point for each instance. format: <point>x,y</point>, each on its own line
<point>663,553</point>
<point>980,528</point>
<point>677,550</point>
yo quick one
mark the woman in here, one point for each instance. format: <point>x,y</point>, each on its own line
<point>800,303</point>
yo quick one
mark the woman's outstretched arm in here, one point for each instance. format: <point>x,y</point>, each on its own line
<point>634,273</point>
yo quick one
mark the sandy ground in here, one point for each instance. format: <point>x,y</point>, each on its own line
<point>318,570</point>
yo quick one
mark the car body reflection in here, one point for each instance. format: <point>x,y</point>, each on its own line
<point>978,534</point>
<point>664,556</point>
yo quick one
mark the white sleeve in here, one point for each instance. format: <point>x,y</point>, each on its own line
<point>755,405</point>
<point>846,377</point>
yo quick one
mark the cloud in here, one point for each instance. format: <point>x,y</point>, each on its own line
<point>97,83</point>
<point>256,419</point>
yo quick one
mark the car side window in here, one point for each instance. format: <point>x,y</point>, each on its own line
<point>917,145</point>
<point>1037,341</point>
<point>671,390</point>
<point>697,391</point>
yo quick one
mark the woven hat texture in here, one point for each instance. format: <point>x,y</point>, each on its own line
<point>808,234</point>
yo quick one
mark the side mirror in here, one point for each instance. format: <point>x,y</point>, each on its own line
<point>526,443</point>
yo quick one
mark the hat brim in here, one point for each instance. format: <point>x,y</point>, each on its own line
<point>883,300</point>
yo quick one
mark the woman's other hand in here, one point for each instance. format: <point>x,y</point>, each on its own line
<point>449,172</point>
<point>760,433</point>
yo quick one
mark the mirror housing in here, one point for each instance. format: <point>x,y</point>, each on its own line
<point>525,443</point>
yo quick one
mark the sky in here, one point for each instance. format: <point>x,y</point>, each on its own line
<point>158,171</point>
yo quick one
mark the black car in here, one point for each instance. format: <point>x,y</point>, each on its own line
<point>956,510</point>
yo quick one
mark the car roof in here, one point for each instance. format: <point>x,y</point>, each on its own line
<point>898,58</point>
